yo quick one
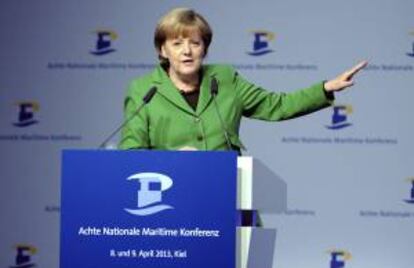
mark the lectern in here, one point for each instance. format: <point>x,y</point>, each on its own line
<point>148,209</point>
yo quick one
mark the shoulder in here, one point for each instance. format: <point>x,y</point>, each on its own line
<point>220,70</point>
<point>224,73</point>
<point>138,86</point>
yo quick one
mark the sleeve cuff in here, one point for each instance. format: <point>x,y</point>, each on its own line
<point>329,95</point>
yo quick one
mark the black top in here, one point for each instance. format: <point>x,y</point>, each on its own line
<point>191,98</point>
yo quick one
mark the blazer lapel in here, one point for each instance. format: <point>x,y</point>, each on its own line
<point>169,91</point>
<point>205,97</point>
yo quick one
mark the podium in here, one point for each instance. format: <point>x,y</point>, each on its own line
<point>148,209</point>
<point>153,209</point>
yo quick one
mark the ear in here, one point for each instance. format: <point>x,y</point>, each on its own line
<point>163,52</point>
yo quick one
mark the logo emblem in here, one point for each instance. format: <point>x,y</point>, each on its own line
<point>103,43</point>
<point>27,110</point>
<point>261,43</point>
<point>411,200</point>
<point>340,116</point>
<point>339,258</point>
<point>150,188</point>
<point>23,256</point>
<point>411,54</point>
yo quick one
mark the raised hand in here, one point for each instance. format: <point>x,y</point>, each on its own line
<point>344,80</point>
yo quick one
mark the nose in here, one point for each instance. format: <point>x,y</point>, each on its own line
<point>187,48</point>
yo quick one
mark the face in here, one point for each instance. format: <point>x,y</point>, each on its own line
<point>185,55</point>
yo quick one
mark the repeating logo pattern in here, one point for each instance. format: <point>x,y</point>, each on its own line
<point>26,113</point>
<point>339,258</point>
<point>340,117</point>
<point>104,41</point>
<point>411,199</point>
<point>261,43</point>
<point>23,257</point>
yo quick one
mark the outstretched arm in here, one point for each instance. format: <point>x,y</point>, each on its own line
<point>344,80</point>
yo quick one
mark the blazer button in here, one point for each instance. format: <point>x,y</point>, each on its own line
<point>197,119</point>
<point>199,138</point>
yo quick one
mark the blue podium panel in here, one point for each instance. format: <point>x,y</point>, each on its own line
<point>148,209</point>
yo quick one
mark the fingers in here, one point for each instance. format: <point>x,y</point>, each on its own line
<point>346,84</point>
<point>357,68</point>
<point>337,84</point>
<point>345,79</point>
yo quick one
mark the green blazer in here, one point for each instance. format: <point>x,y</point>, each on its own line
<point>169,123</point>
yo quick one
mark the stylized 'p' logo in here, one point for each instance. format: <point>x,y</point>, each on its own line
<point>339,258</point>
<point>26,116</point>
<point>340,117</point>
<point>411,199</point>
<point>103,43</point>
<point>149,194</point>
<point>261,43</point>
<point>23,256</point>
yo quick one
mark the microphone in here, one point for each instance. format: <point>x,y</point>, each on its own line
<point>214,92</point>
<point>145,100</point>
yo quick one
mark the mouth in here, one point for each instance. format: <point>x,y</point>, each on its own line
<point>188,61</point>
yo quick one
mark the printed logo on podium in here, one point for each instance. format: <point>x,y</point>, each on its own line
<point>23,257</point>
<point>26,114</point>
<point>104,41</point>
<point>340,117</point>
<point>261,43</point>
<point>339,258</point>
<point>149,194</point>
<point>411,54</point>
<point>411,199</point>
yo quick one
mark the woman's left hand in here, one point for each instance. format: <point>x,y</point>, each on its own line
<point>345,79</point>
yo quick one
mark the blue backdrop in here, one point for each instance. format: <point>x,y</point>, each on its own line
<point>347,171</point>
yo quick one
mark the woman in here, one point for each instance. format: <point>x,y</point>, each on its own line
<point>185,115</point>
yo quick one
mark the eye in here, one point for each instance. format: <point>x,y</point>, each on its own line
<point>175,41</point>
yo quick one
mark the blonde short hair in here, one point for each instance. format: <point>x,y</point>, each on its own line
<point>181,22</point>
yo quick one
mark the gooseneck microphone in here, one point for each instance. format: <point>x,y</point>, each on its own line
<point>214,91</point>
<point>145,100</point>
